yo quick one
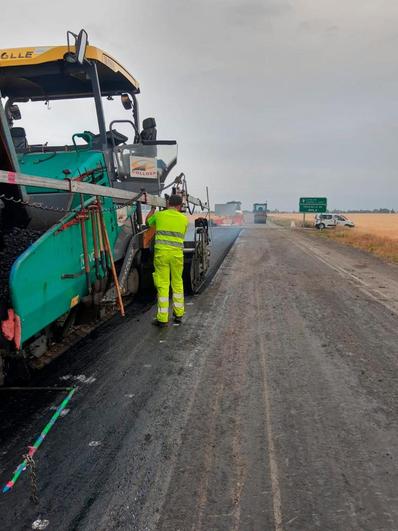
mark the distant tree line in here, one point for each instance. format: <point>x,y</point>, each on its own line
<point>338,211</point>
<point>374,211</point>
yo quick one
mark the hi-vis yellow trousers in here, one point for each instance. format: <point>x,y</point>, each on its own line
<point>169,264</point>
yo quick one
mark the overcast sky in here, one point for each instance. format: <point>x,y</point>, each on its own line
<point>270,99</point>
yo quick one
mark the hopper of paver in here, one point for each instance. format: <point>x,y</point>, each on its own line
<point>15,237</point>
<point>14,242</point>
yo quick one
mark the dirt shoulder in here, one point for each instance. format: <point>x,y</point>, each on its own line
<point>382,246</point>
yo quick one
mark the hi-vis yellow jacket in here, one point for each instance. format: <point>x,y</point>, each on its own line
<point>171,227</point>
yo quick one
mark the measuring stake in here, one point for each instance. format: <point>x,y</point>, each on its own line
<point>100,240</point>
<point>84,243</point>
<point>110,256</point>
<point>93,219</point>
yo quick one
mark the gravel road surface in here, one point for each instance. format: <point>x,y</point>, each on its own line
<point>273,407</point>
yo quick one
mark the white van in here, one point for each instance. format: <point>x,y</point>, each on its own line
<point>323,221</point>
<point>343,220</point>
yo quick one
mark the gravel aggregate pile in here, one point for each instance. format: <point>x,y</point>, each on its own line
<point>13,243</point>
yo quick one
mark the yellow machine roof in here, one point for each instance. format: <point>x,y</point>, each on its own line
<point>29,72</point>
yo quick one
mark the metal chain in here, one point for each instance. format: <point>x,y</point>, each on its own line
<point>40,206</point>
<point>30,462</point>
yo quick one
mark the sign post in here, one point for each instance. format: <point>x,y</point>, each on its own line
<point>314,205</point>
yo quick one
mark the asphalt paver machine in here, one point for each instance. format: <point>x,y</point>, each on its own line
<point>72,233</point>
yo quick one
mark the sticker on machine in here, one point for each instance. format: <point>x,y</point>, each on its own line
<point>143,167</point>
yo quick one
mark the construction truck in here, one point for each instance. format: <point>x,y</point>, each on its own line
<point>229,213</point>
<point>260,212</point>
<point>72,237</point>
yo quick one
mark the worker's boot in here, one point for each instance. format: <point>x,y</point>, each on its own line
<point>159,324</point>
<point>177,319</point>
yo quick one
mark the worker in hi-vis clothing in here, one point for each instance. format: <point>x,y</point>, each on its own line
<point>171,227</point>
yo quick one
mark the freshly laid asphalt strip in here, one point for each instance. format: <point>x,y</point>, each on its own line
<point>22,412</point>
<point>273,407</point>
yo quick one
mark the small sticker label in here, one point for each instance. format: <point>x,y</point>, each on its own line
<point>11,177</point>
<point>74,301</point>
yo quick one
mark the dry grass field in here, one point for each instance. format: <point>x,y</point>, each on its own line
<point>384,225</point>
<point>375,233</point>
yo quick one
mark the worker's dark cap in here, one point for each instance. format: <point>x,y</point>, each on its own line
<point>175,200</point>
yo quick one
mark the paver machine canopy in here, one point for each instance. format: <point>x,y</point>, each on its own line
<point>75,72</point>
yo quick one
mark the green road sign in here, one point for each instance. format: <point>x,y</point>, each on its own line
<point>313,204</point>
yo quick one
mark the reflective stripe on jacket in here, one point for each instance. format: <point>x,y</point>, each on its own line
<point>171,227</point>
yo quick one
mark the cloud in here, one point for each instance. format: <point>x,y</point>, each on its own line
<point>267,99</point>
<point>317,26</point>
<point>252,14</point>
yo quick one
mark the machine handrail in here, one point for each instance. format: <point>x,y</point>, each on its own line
<point>73,186</point>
